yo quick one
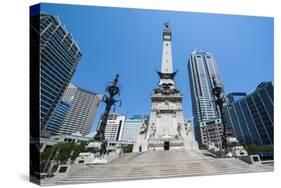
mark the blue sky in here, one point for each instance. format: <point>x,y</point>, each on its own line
<point>129,42</point>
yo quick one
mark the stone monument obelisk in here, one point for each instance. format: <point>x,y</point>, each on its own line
<point>167,128</point>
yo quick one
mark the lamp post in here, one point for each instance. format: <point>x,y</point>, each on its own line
<point>113,89</point>
<point>218,92</point>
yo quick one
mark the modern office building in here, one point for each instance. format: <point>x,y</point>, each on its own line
<point>114,127</point>
<point>131,129</point>
<point>251,117</point>
<point>55,123</point>
<point>202,69</point>
<point>82,112</point>
<point>59,55</point>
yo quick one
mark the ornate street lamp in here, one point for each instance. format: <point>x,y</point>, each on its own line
<point>113,89</point>
<point>218,92</point>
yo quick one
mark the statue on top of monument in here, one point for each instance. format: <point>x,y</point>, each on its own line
<point>166,24</point>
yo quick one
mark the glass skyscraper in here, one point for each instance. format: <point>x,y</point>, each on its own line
<point>58,117</point>
<point>83,107</point>
<point>202,69</point>
<point>131,129</point>
<point>251,117</point>
<point>54,56</point>
<point>59,56</point>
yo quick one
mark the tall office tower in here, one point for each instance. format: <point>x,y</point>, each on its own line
<point>114,127</point>
<point>54,56</point>
<point>131,129</point>
<point>82,112</point>
<point>202,69</point>
<point>58,57</point>
<point>55,123</point>
<point>167,129</point>
<point>251,117</point>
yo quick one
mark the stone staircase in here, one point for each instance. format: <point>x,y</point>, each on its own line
<point>159,164</point>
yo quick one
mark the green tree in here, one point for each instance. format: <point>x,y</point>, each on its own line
<point>128,148</point>
<point>78,149</point>
<point>64,151</point>
<point>254,149</point>
<point>203,146</point>
<point>61,152</point>
<point>48,154</point>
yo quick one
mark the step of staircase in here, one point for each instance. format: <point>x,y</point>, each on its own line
<point>159,164</point>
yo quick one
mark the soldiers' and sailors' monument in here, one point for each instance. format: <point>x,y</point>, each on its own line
<point>167,128</point>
